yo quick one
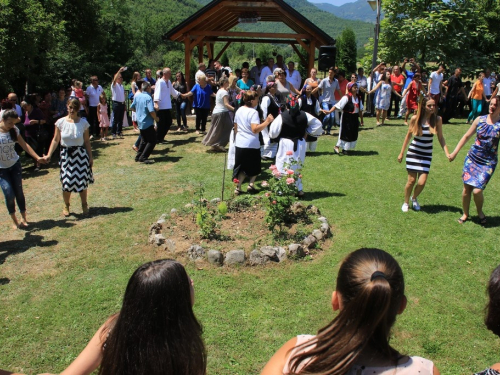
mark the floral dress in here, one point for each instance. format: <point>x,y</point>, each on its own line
<point>482,158</point>
<point>489,371</point>
<point>383,98</point>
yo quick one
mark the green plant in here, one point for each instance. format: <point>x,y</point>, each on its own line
<point>282,194</point>
<point>222,209</point>
<point>204,215</point>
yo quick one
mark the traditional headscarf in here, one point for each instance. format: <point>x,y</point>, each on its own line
<point>292,103</point>
<point>350,84</point>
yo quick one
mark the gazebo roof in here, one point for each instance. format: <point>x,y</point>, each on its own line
<point>213,22</point>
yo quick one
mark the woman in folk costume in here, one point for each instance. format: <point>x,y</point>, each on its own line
<point>350,105</point>
<point>270,105</point>
<point>309,104</point>
<point>291,128</point>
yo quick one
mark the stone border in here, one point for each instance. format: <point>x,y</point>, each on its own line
<point>262,256</point>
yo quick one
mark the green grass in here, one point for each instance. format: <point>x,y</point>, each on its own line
<point>62,279</point>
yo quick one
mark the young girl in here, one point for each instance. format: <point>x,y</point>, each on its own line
<point>383,98</point>
<point>102,110</point>
<point>10,167</point>
<point>368,297</point>
<point>414,90</point>
<point>419,156</point>
<point>81,98</point>
<point>155,332</point>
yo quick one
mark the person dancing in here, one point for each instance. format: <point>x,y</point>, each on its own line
<point>481,160</point>
<point>422,127</point>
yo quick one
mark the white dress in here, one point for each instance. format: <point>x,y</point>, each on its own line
<point>314,128</point>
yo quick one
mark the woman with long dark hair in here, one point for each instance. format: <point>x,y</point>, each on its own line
<point>181,103</point>
<point>155,332</point>
<point>481,160</point>
<point>422,128</point>
<point>368,296</point>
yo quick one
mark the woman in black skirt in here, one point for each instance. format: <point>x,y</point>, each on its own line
<point>76,155</point>
<point>247,127</point>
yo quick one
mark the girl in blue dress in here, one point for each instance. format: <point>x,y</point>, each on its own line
<point>481,160</point>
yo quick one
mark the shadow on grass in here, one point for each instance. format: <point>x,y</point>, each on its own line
<point>20,246</point>
<point>492,221</point>
<point>4,281</point>
<point>30,172</point>
<point>103,211</point>
<point>313,195</point>
<point>49,224</point>
<point>181,142</point>
<point>438,208</point>
<point>163,158</point>
<point>319,153</point>
<point>362,153</point>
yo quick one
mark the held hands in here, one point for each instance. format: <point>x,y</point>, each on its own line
<point>41,160</point>
<point>452,156</point>
<point>45,158</point>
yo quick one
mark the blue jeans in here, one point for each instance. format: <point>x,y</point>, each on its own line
<point>11,181</point>
<point>329,119</point>
<point>180,109</point>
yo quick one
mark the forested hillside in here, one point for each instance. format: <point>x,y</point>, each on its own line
<point>359,10</point>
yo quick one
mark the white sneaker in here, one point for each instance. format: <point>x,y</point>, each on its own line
<point>404,208</point>
<point>415,204</point>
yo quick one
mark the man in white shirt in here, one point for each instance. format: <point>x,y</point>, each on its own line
<point>435,85</point>
<point>329,86</point>
<point>255,72</point>
<point>92,93</point>
<point>293,76</point>
<point>266,71</point>
<point>12,97</point>
<point>163,103</point>
<point>118,98</point>
<point>201,71</point>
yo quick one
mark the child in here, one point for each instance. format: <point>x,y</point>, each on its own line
<point>102,110</point>
<point>414,90</point>
<point>10,166</point>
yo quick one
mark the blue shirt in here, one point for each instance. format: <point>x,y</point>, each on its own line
<point>201,97</point>
<point>244,86</point>
<point>409,77</point>
<point>143,105</point>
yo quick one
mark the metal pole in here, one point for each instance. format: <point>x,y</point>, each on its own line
<point>375,41</point>
<point>224,175</point>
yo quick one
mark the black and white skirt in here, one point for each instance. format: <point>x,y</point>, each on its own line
<point>75,169</point>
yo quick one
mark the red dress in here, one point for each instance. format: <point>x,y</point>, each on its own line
<point>413,92</point>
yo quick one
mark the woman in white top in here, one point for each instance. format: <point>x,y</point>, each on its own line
<point>76,155</point>
<point>270,104</point>
<point>218,134</point>
<point>11,180</point>
<point>368,297</point>
<point>247,127</point>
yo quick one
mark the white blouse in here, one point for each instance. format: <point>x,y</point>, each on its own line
<point>72,132</point>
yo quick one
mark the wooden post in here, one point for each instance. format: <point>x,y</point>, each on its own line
<point>187,59</point>
<point>312,52</point>
<point>200,53</point>
<point>210,50</point>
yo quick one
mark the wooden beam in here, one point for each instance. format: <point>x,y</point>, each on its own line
<point>209,50</point>
<point>243,40</point>
<point>251,4</point>
<point>195,41</point>
<point>301,56</point>
<point>187,60</point>
<point>304,45</point>
<point>248,35</point>
<point>222,51</point>
<point>312,52</point>
<point>200,53</point>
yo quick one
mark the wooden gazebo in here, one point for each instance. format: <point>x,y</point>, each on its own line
<point>213,23</point>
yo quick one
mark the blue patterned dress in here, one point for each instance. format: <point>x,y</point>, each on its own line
<point>489,371</point>
<point>482,158</point>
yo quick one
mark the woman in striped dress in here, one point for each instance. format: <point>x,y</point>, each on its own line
<point>422,127</point>
<point>76,155</point>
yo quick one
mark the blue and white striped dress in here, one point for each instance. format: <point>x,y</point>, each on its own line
<point>419,155</point>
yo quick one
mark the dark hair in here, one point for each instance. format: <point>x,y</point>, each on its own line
<point>10,113</point>
<point>492,319</point>
<point>156,331</point>
<point>371,287</point>
<point>6,104</point>
<point>416,127</point>
<point>183,80</point>
<point>74,103</point>
<point>248,96</point>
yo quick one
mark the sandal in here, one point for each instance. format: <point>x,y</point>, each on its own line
<point>336,150</point>
<point>252,190</point>
<point>237,192</point>
<point>483,221</point>
<point>65,211</point>
<point>461,221</point>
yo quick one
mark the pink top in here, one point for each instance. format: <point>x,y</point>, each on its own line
<point>414,365</point>
<point>79,93</point>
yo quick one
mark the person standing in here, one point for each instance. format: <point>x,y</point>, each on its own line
<point>398,81</point>
<point>293,76</point>
<point>362,82</point>
<point>12,97</point>
<point>266,72</point>
<point>255,71</point>
<point>488,81</point>
<point>76,156</point>
<point>481,160</point>
<point>454,87</point>
<point>93,92</point>
<point>384,90</point>
<point>181,104</point>
<point>146,116</point>
<point>163,104</point>
<point>477,98</point>
<point>118,98</point>
<point>412,93</point>
<point>244,83</point>
<point>422,127</point>
<point>435,86</point>
<point>202,93</point>
<point>149,78</point>
<point>329,86</point>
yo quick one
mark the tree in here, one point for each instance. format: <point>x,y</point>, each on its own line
<point>347,51</point>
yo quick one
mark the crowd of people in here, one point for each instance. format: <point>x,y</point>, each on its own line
<point>156,331</point>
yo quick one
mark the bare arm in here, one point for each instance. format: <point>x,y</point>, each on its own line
<point>26,147</point>
<point>293,89</point>
<point>407,139</point>
<point>278,360</point>
<point>442,142</point>
<point>54,144</point>
<point>376,87</point>
<point>429,87</point>
<point>117,74</point>
<point>464,140</point>
<point>153,115</point>
<point>227,105</point>
<point>86,144</point>
<point>257,128</point>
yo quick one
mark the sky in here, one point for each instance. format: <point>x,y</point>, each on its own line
<point>333,2</point>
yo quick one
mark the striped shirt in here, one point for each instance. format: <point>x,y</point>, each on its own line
<point>419,155</point>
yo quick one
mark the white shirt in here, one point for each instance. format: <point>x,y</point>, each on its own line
<point>197,75</point>
<point>314,126</point>
<point>436,83</point>
<point>94,94</point>
<point>295,79</point>
<point>117,93</point>
<point>72,132</point>
<point>163,91</point>
<point>8,154</point>
<point>342,102</point>
<point>255,74</point>
<point>310,102</point>
<point>264,73</point>
<point>219,102</point>
<point>245,138</point>
<point>487,85</point>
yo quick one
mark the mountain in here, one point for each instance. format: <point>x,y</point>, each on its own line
<point>359,10</point>
<point>329,22</point>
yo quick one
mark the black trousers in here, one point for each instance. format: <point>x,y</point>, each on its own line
<point>451,107</point>
<point>201,118</point>
<point>164,124</point>
<point>93,121</point>
<point>148,143</point>
<point>118,112</point>
<point>396,100</point>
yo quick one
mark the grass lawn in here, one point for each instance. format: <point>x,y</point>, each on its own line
<point>60,280</point>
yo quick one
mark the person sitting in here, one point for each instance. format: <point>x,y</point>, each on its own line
<point>492,319</point>
<point>369,295</point>
<point>155,332</point>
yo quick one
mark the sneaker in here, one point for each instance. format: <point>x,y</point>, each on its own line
<point>147,161</point>
<point>113,136</point>
<point>415,204</point>
<point>404,208</point>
